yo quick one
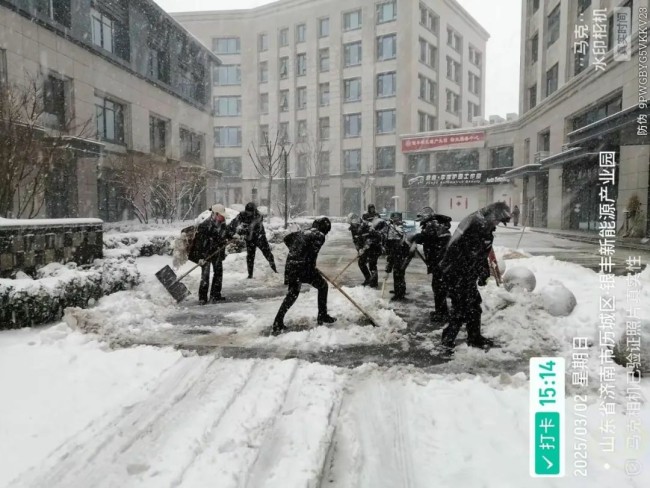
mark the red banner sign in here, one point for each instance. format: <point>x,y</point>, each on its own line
<point>414,144</point>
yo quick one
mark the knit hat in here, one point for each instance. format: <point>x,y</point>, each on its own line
<point>219,209</point>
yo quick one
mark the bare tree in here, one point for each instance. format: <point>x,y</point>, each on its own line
<point>269,157</point>
<point>31,145</point>
<point>313,149</point>
<point>154,190</point>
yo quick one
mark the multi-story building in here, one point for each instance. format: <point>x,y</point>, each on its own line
<point>340,81</point>
<point>581,93</point>
<point>125,71</point>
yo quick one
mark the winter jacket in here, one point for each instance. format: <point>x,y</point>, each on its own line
<point>304,247</point>
<point>397,247</point>
<point>211,235</point>
<point>365,236</point>
<point>434,237</point>
<point>466,256</point>
<point>249,226</point>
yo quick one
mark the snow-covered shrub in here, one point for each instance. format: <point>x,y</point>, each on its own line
<point>28,302</point>
<point>141,244</point>
<point>519,277</point>
<point>558,300</point>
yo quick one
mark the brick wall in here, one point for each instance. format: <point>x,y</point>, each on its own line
<point>27,245</point>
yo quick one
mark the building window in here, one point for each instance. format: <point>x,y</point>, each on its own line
<point>228,166</point>
<point>352,54</point>
<point>426,122</point>
<point>352,90</point>
<point>580,59</point>
<point>284,68</point>
<point>535,5</point>
<point>3,67</point>
<point>534,49</point>
<point>324,202</point>
<point>227,106</point>
<point>418,163</point>
<point>227,136</point>
<point>428,54</point>
<point>428,19</point>
<point>57,10</point>
<point>428,89</point>
<point>386,11</point>
<point>544,141</point>
<point>583,5</point>
<point>475,56</point>
<point>460,160</point>
<point>502,157</point>
<point>324,164</point>
<point>386,121</point>
<point>283,132</point>
<point>283,37</point>
<point>532,96</point>
<point>54,101</point>
<point>158,65</point>
<point>302,131</point>
<point>352,125</point>
<point>386,159</point>
<point>351,200</point>
<point>324,60</point>
<point>551,80</point>
<point>110,120</point>
<point>386,47</point>
<point>227,74</point>
<point>284,100</point>
<point>453,70</point>
<point>324,27</point>
<point>263,42</point>
<point>301,64</point>
<point>473,110</point>
<point>264,135</point>
<point>474,83</point>
<point>454,41</point>
<point>386,84</point>
<point>301,33</point>
<point>301,97</point>
<point>264,72</point>
<point>352,161</point>
<point>324,94</point>
<point>301,165</point>
<point>226,45</point>
<point>597,113</point>
<point>553,26</point>
<point>191,146</point>
<point>103,30</point>
<point>352,20</point>
<point>453,103</point>
<point>264,103</point>
<point>324,128</point>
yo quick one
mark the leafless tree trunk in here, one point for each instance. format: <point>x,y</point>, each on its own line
<point>29,148</point>
<point>313,148</point>
<point>269,158</point>
<point>366,180</point>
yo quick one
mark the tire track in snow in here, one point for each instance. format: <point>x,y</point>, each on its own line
<point>66,464</point>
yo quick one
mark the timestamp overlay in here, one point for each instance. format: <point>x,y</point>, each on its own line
<point>547,417</point>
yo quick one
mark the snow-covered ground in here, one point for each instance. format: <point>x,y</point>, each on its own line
<point>79,410</point>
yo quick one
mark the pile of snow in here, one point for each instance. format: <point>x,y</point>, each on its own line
<point>519,278</point>
<point>558,300</point>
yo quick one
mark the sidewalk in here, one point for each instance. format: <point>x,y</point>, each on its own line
<point>637,243</point>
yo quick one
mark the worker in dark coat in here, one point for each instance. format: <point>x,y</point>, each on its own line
<point>434,236</point>
<point>371,214</point>
<point>209,250</point>
<point>304,247</point>
<point>248,224</point>
<point>367,241</point>
<point>464,266</point>
<point>397,259</point>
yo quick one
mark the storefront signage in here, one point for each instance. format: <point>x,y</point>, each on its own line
<point>424,143</point>
<point>457,178</point>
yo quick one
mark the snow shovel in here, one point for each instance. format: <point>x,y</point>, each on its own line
<point>383,285</point>
<point>494,267</point>
<point>346,267</point>
<point>172,284</point>
<point>374,324</point>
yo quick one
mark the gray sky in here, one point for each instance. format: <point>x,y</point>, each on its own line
<point>501,19</point>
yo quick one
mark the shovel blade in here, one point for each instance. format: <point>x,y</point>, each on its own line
<point>167,278</point>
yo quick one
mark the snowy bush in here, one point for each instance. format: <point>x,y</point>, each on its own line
<point>28,302</point>
<point>519,277</point>
<point>558,300</point>
<point>142,244</point>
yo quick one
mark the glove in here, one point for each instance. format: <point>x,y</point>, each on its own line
<point>389,269</point>
<point>201,262</point>
<point>482,280</point>
<point>363,250</point>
